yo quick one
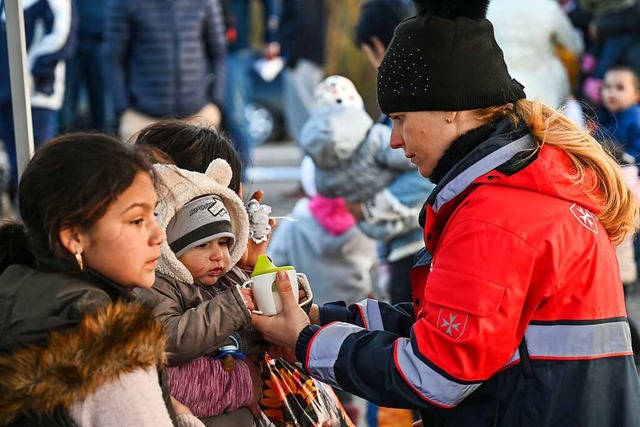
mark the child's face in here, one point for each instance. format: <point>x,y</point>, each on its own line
<point>208,261</point>
<point>619,91</point>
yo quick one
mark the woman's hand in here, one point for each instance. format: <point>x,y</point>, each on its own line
<point>314,314</point>
<point>284,328</point>
<point>277,352</point>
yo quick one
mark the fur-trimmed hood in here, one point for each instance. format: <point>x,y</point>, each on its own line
<point>179,186</point>
<point>117,339</point>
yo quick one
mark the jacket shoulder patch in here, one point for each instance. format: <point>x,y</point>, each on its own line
<point>585,217</point>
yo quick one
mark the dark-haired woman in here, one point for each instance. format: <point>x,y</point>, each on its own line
<point>518,316</point>
<point>74,349</point>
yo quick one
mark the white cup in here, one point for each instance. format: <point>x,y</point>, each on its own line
<point>265,291</point>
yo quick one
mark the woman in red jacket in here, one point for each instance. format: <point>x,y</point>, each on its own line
<point>518,315</point>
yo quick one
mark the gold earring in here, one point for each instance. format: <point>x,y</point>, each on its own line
<point>79,259</point>
<point>448,120</point>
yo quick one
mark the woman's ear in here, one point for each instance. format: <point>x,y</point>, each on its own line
<point>71,240</point>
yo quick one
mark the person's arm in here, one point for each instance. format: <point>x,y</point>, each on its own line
<point>133,399</point>
<point>271,20</point>
<point>117,39</point>
<point>446,356</point>
<point>198,331</point>
<point>216,49</point>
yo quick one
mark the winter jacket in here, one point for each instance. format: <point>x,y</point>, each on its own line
<point>352,155</point>
<point>527,32</point>
<point>198,320</point>
<point>50,38</point>
<point>391,216</point>
<point>519,319</point>
<point>340,268</point>
<point>165,59</point>
<point>74,352</point>
<point>624,128</point>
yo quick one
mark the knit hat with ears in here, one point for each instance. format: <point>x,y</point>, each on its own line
<point>445,59</point>
<point>177,187</point>
<point>337,90</point>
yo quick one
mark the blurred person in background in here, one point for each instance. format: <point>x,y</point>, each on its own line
<point>240,59</point>
<point>529,33</point>
<point>49,27</point>
<point>303,35</point>
<point>85,78</point>
<point>165,60</point>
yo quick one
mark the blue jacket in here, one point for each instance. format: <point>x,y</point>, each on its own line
<point>624,128</point>
<point>165,58</point>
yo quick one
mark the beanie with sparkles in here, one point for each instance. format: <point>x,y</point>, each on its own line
<point>445,59</point>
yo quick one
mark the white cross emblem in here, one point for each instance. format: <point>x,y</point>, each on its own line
<point>452,322</point>
<point>586,218</point>
<point>450,325</point>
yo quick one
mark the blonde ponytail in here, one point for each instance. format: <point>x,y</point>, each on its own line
<point>619,206</point>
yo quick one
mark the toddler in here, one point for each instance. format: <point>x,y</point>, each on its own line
<point>197,297</point>
<point>621,118</point>
<point>343,141</point>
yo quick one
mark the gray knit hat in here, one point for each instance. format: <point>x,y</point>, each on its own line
<point>179,193</point>
<point>198,222</point>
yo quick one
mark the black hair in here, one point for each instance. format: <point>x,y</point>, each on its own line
<point>634,74</point>
<point>193,147</point>
<point>70,181</point>
<point>379,18</point>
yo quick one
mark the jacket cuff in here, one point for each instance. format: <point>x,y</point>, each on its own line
<point>304,339</point>
<point>334,312</point>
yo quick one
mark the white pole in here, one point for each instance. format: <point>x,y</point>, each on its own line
<point>21,102</point>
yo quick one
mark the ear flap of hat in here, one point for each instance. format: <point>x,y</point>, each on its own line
<point>177,187</point>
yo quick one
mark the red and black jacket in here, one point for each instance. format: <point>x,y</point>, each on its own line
<point>519,316</point>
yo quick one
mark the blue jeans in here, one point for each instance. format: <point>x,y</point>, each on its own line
<point>85,75</point>
<point>44,128</point>
<point>237,97</point>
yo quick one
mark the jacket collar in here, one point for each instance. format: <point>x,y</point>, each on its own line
<point>502,145</point>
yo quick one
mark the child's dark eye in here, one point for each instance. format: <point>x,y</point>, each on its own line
<point>137,221</point>
<point>203,246</point>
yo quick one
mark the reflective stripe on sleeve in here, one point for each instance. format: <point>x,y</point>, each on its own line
<point>324,349</point>
<point>370,313</point>
<point>429,384</point>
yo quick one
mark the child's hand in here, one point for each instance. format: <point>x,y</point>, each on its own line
<point>179,408</point>
<point>250,255</point>
<point>302,296</point>
<point>247,296</point>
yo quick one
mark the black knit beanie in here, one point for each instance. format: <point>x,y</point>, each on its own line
<point>445,59</point>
